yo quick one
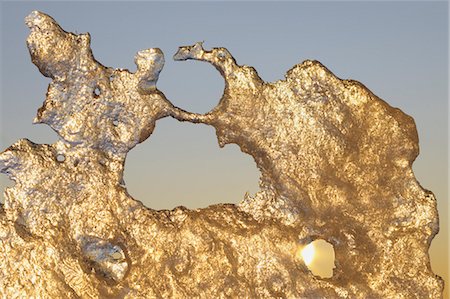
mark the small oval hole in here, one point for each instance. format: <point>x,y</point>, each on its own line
<point>319,257</point>
<point>97,92</point>
<point>60,158</point>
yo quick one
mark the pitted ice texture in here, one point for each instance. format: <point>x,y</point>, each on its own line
<point>335,164</point>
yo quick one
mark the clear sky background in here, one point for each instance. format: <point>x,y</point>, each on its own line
<point>399,50</point>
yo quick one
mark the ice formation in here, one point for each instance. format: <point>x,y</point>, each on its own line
<point>335,164</point>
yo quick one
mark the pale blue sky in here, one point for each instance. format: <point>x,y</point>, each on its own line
<point>399,50</point>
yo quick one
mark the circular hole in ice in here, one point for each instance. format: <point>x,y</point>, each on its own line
<point>60,158</point>
<point>319,257</point>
